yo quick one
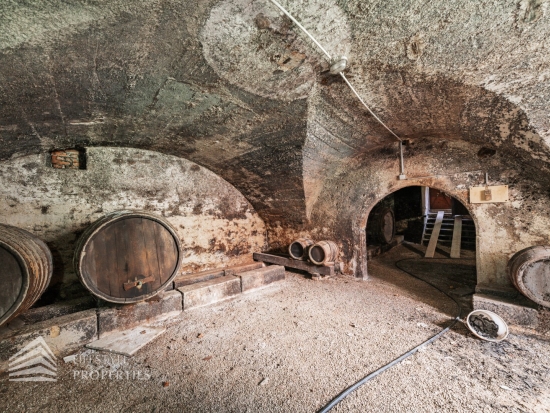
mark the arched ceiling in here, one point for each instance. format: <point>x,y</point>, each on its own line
<point>233,86</point>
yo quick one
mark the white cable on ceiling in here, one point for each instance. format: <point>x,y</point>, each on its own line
<point>341,74</point>
<point>297,23</point>
<point>364,104</point>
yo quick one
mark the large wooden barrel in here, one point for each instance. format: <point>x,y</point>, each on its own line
<point>529,271</point>
<point>323,253</point>
<point>383,225</point>
<point>128,256</point>
<point>25,271</point>
<point>299,248</point>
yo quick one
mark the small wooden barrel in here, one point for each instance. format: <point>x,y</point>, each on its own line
<point>299,248</point>
<point>529,271</point>
<point>323,253</point>
<point>383,223</point>
<point>128,256</point>
<point>26,271</point>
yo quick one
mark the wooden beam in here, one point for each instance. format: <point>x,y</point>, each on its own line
<point>296,264</point>
<point>430,251</point>
<point>457,237</point>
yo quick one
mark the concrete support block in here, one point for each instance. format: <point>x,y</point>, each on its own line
<point>194,278</point>
<point>122,317</point>
<point>514,313</point>
<point>261,277</point>
<point>62,334</point>
<point>209,292</point>
<point>243,268</point>
<point>36,315</point>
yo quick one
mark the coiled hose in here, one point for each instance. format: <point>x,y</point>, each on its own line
<point>382,369</point>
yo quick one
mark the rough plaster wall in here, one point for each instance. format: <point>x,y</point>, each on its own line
<point>216,224</point>
<point>453,166</point>
<point>165,76</point>
<point>253,45</point>
<point>439,112</point>
<point>498,45</point>
<point>134,75</point>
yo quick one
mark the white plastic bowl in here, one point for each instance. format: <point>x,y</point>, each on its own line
<point>502,332</point>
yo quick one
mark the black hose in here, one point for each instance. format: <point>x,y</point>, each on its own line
<point>372,375</point>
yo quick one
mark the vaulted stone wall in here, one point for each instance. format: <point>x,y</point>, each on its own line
<point>233,86</point>
<point>217,226</point>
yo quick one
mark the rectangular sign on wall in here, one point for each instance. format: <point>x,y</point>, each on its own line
<point>488,194</point>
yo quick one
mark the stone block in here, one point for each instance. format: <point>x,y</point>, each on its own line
<point>62,335</point>
<point>514,313</point>
<point>121,317</point>
<point>209,292</point>
<point>243,268</point>
<point>194,278</point>
<point>261,277</point>
<point>35,315</point>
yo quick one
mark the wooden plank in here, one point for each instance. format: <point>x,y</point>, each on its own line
<point>127,342</point>
<point>430,251</point>
<point>137,258</point>
<point>149,235</point>
<point>102,272</point>
<point>296,264</point>
<point>110,260</point>
<point>167,252</point>
<point>457,237</point>
<point>121,275</point>
<point>88,263</point>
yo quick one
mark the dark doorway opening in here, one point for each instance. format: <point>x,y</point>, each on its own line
<point>431,234</point>
<point>415,210</point>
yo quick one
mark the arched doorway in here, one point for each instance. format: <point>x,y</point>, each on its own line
<point>430,233</point>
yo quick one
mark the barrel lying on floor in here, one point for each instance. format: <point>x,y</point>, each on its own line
<point>529,271</point>
<point>127,257</point>
<point>26,271</point>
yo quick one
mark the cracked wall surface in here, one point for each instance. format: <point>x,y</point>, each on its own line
<point>233,86</point>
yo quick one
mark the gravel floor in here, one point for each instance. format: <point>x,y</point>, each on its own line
<point>293,346</point>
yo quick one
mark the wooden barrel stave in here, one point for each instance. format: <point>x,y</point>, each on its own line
<point>35,264</point>
<point>529,272</point>
<point>125,248</point>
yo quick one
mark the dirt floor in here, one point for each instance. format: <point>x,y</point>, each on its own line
<point>293,346</point>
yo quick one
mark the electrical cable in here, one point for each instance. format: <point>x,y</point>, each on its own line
<point>364,104</point>
<point>404,356</point>
<point>341,74</point>
<point>297,23</point>
<point>372,375</point>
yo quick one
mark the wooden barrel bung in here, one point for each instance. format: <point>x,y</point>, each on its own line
<point>128,256</point>
<point>299,248</point>
<point>26,271</point>
<point>323,253</point>
<point>529,271</point>
<point>383,223</point>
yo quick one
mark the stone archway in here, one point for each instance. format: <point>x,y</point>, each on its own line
<point>359,230</point>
